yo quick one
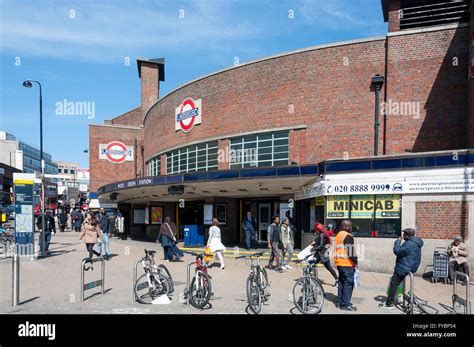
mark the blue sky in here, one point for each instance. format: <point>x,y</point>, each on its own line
<point>78,50</point>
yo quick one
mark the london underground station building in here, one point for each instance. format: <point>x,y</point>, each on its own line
<point>295,132</point>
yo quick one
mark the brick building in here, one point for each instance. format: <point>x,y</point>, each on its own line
<point>258,136</point>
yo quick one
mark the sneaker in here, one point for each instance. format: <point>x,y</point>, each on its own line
<point>284,267</point>
<point>288,267</point>
<point>222,267</point>
<point>279,269</point>
<point>349,308</point>
<point>385,305</point>
<point>335,284</point>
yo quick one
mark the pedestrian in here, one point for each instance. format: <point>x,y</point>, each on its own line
<point>346,261</point>
<point>290,219</point>
<point>167,238</point>
<point>214,241</point>
<point>457,252</point>
<point>288,243</point>
<point>321,247</point>
<point>49,230</point>
<point>408,260</point>
<point>91,232</point>
<point>119,225</point>
<point>104,224</point>
<point>274,243</point>
<point>77,219</point>
<point>62,219</point>
<point>249,225</point>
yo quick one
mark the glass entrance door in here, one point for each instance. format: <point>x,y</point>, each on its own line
<point>264,221</point>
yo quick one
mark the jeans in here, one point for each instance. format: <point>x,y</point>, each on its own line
<point>327,265</point>
<point>106,244</point>
<point>394,283</point>
<point>47,237</point>
<point>168,252</point>
<point>249,236</point>
<point>288,250</point>
<point>275,255</point>
<point>90,249</point>
<point>345,285</point>
<point>454,266</point>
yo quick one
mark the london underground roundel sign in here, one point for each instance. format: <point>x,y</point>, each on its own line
<point>116,152</point>
<point>188,114</point>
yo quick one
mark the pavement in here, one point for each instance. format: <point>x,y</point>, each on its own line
<point>52,285</point>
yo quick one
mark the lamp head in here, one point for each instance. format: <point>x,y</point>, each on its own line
<point>27,84</point>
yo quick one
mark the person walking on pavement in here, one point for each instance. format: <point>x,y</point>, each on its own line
<point>105,227</point>
<point>346,262</point>
<point>249,225</point>
<point>77,219</point>
<point>214,241</point>
<point>321,246</point>
<point>119,225</point>
<point>274,241</point>
<point>62,219</point>
<point>408,260</point>
<point>91,232</point>
<point>457,252</point>
<point>167,238</point>
<point>49,230</point>
<point>288,242</point>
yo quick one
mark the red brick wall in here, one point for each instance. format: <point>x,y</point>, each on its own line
<point>326,89</point>
<point>422,68</point>
<point>470,121</point>
<point>394,15</point>
<point>442,220</point>
<point>103,171</point>
<point>134,117</point>
<point>149,85</point>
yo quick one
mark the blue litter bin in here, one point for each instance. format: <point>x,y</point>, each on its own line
<point>193,235</point>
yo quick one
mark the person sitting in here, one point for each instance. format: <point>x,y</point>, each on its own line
<point>457,252</point>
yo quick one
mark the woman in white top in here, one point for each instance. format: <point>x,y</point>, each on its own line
<point>214,241</point>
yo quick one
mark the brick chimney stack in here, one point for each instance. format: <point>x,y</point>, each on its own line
<point>151,72</point>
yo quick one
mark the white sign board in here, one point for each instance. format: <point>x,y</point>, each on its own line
<point>187,115</point>
<point>83,174</point>
<point>116,152</point>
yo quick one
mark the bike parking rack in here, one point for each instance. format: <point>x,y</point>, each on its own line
<point>188,283</point>
<point>90,285</point>
<point>135,275</point>
<point>412,287</point>
<point>456,299</point>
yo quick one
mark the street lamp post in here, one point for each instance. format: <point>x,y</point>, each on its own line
<point>377,83</point>
<point>28,84</point>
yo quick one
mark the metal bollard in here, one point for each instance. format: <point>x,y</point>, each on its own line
<point>15,279</point>
<point>467,303</point>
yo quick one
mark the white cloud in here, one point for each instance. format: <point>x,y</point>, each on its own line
<point>106,31</point>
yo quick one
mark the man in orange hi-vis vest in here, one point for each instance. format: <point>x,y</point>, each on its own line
<point>346,261</point>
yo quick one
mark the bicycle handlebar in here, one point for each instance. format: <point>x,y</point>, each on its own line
<point>256,255</point>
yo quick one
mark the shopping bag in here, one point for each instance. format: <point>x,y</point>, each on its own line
<point>356,278</point>
<point>208,255</point>
<point>304,253</point>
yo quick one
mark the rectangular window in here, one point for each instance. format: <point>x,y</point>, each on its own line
<point>154,166</point>
<point>260,150</point>
<point>200,157</point>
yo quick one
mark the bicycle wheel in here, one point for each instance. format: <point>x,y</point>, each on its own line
<point>145,293</point>
<point>164,271</point>
<point>201,290</point>
<point>308,295</point>
<point>254,296</point>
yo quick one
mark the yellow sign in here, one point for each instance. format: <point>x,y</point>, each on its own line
<point>363,206</point>
<point>319,201</point>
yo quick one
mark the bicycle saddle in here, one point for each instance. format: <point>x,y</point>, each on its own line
<point>149,251</point>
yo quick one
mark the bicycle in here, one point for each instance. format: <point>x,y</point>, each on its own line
<point>156,280</point>
<point>199,291</point>
<point>308,292</point>
<point>257,283</point>
<point>7,241</point>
